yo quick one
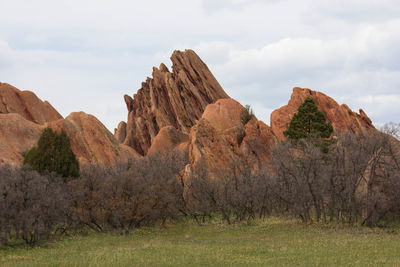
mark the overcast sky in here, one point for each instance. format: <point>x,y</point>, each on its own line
<point>86,54</point>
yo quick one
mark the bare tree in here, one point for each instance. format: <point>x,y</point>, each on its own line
<point>392,129</point>
<point>32,205</point>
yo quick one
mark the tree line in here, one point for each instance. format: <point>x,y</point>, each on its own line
<point>346,178</point>
<point>357,181</point>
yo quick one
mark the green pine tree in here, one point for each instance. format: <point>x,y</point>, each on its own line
<point>53,154</point>
<point>308,122</point>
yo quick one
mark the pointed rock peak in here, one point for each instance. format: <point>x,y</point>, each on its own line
<point>120,132</point>
<point>129,102</point>
<point>163,68</point>
<point>187,60</point>
<point>175,99</point>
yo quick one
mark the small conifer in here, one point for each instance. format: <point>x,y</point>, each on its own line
<point>53,154</point>
<point>308,122</point>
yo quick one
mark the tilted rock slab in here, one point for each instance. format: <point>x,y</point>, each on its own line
<point>23,116</point>
<point>91,141</point>
<point>17,136</point>
<point>175,99</point>
<point>27,104</point>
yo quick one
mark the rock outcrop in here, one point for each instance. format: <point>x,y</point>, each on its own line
<point>176,98</point>
<point>169,139</point>
<point>91,141</point>
<point>27,104</point>
<point>120,132</point>
<point>184,110</point>
<point>341,116</point>
<point>23,116</point>
<point>17,136</point>
<point>220,141</point>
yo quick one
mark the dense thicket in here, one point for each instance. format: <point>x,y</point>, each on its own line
<point>32,206</point>
<point>53,154</point>
<point>356,181</point>
<point>35,207</point>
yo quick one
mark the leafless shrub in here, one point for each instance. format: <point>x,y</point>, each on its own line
<point>357,179</point>
<point>131,195</point>
<point>300,181</point>
<point>392,129</point>
<point>31,205</point>
<point>237,193</point>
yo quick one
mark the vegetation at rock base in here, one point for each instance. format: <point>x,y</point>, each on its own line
<point>308,122</point>
<point>356,183</point>
<point>246,115</point>
<point>53,154</point>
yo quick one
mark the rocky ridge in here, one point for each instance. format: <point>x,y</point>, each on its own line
<point>24,116</point>
<point>341,116</point>
<point>27,104</point>
<point>176,98</point>
<point>185,110</point>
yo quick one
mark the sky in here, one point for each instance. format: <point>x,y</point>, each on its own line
<point>85,55</point>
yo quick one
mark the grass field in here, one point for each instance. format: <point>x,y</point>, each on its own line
<point>271,242</point>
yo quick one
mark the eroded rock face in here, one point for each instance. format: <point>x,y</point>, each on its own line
<point>176,98</point>
<point>341,116</point>
<point>17,136</point>
<point>257,143</point>
<point>23,117</point>
<point>219,140</point>
<point>169,139</point>
<point>27,104</point>
<point>91,141</point>
<point>120,132</point>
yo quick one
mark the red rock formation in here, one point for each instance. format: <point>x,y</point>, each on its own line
<point>219,139</point>
<point>341,116</point>
<point>257,143</point>
<point>120,132</point>
<point>27,104</point>
<point>17,136</point>
<point>25,116</point>
<point>91,141</point>
<point>177,99</point>
<point>168,139</point>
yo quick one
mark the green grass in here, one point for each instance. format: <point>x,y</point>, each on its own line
<point>271,242</point>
